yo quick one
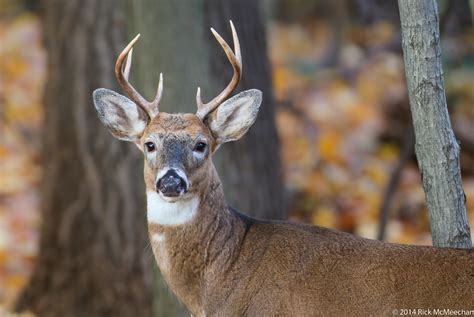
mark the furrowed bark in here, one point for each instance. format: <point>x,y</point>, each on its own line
<point>436,147</point>
<point>93,259</point>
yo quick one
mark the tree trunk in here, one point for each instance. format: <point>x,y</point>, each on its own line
<point>172,42</point>
<point>249,168</point>
<point>436,147</point>
<point>93,259</point>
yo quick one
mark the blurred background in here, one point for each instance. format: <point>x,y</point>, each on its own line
<point>333,144</point>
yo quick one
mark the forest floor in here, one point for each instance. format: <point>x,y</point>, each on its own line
<point>342,118</point>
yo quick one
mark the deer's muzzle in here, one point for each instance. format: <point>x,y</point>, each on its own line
<point>171,184</point>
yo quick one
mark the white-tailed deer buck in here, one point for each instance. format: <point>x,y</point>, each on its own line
<point>220,262</point>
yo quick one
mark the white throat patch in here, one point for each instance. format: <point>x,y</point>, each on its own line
<point>162,212</point>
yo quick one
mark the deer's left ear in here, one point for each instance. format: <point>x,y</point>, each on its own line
<point>232,119</point>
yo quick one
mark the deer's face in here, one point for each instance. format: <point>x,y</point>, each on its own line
<point>177,147</point>
<point>177,150</point>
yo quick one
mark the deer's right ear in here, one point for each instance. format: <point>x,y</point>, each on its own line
<point>124,119</point>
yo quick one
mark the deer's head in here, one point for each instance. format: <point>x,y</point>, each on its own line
<point>177,147</point>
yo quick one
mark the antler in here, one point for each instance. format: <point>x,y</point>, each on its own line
<point>151,108</point>
<point>236,60</point>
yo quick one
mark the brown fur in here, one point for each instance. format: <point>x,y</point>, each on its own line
<point>223,263</point>
<point>186,127</point>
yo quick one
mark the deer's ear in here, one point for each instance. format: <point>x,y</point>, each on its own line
<point>124,119</point>
<point>232,119</point>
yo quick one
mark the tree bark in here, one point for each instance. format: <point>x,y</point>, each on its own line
<point>249,168</point>
<point>172,43</point>
<point>93,259</point>
<point>436,147</point>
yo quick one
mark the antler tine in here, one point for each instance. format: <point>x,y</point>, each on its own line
<point>151,108</point>
<point>128,64</point>
<point>236,60</point>
<point>155,104</point>
<point>235,39</point>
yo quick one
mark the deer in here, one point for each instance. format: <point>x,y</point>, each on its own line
<point>221,262</point>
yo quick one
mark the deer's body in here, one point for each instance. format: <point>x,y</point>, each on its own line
<point>222,263</point>
<point>226,264</point>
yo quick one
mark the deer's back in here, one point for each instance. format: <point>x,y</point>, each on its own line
<point>307,271</point>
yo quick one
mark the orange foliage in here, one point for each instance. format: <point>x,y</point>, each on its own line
<point>22,72</point>
<point>336,165</point>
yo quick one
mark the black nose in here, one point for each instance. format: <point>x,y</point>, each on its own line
<point>171,184</point>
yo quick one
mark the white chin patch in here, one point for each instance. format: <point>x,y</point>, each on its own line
<point>163,212</point>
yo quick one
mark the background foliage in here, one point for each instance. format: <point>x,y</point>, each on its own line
<point>343,118</point>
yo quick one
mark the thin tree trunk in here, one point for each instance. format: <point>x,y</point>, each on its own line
<point>249,168</point>
<point>172,42</point>
<point>92,259</point>
<point>436,147</point>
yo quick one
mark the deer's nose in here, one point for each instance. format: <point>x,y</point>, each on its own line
<point>171,184</point>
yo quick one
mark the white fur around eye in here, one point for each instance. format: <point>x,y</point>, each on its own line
<point>200,155</point>
<point>151,156</point>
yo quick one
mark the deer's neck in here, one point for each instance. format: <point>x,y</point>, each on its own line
<point>193,237</point>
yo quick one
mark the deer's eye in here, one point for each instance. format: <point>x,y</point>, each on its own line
<point>150,146</point>
<point>200,147</point>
